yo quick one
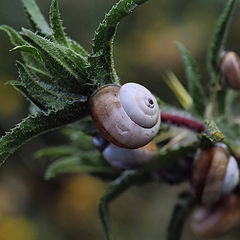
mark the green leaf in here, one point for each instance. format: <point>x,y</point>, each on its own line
<point>73,164</point>
<point>193,77</point>
<point>56,24</point>
<point>58,76</point>
<point>212,134</point>
<point>38,124</point>
<point>19,86</point>
<point>15,38</point>
<point>76,47</point>
<point>78,138</point>
<point>178,218</point>
<point>102,58</point>
<point>86,126</point>
<point>38,71</point>
<point>231,95</point>
<point>218,40</point>
<point>42,94</point>
<point>27,48</point>
<point>231,132</point>
<point>58,31</point>
<point>30,54</point>
<point>178,89</point>
<point>36,18</point>
<point>56,152</point>
<point>73,63</point>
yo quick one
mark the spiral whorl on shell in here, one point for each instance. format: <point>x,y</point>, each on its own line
<point>126,116</point>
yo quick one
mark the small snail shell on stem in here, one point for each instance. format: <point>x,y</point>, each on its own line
<point>213,221</point>
<point>124,158</point>
<point>126,116</point>
<point>230,69</point>
<point>215,174</point>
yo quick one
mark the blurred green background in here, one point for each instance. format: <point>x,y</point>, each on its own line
<point>66,207</point>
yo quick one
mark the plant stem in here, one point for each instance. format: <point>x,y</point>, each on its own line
<point>180,121</point>
<point>214,97</point>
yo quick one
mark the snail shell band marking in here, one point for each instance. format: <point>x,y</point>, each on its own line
<point>126,116</point>
<point>215,174</point>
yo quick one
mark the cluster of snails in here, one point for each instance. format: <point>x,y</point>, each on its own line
<point>124,158</point>
<point>128,118</point>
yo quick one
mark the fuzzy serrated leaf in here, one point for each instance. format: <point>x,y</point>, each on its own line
<point>28,49</point>
<point>56,152</point>
<point>38,124</point>
<point>231,131</point>
<point>231,95</point>
<point>36,18</point>
<point>47,98</point>
<point>73,164</point>
<point>103,40</point>
<point>15,38</point>
<point>76,47</point>
<point>193,77</point>
<point>78,138</point>
<point>218,40</point>
<point>73,63</point>
<point>19,86</point>
<point>56,24</point>
<point>29,53</point>
<point>58,76</point>
<point>87,126</point>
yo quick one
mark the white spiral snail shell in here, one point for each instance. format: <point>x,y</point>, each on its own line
<point>124,158</point>
<point>126,116</point>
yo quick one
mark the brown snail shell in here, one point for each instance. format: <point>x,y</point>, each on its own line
<point>230,70</point>
<point>127,116</point>
<point>215,174</point>
<point>213,221</point>
<point>124,158</point>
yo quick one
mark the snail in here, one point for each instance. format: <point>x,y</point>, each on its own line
<point>230,69</point>
<point>213,221</point>
<point>124,158</point>
<point>127,116</point>
<point>215,174</point>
